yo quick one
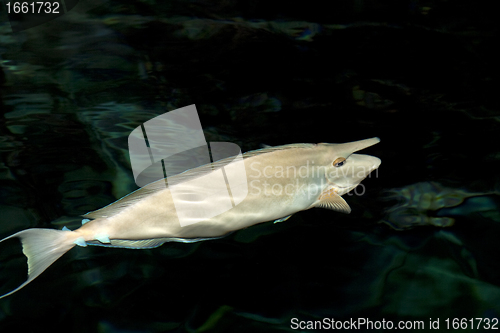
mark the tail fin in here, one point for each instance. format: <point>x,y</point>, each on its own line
<point>42,247</point>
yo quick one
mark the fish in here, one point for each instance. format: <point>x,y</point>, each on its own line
<point>279,182</point>
<point>431,203</point>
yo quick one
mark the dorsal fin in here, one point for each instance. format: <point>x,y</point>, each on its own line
<point>159,185</point>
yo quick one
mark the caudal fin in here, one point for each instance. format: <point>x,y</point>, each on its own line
<point>42,247</point>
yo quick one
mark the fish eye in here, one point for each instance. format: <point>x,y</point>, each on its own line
<point>339,162</point>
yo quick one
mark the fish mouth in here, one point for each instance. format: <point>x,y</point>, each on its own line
<point>376,165</point>
<point>341,190</point>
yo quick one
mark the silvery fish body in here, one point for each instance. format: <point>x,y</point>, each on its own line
<point>278,182</point>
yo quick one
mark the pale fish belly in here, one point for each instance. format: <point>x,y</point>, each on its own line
<point>156,216</point>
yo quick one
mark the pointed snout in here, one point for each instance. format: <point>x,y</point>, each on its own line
<point>362,144</point>
<point>346,149</point>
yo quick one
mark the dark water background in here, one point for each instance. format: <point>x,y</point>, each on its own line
<point>421,75</point>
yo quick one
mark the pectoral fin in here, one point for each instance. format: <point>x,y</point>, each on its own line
<point>331,200</point>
